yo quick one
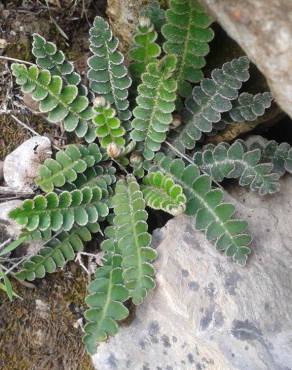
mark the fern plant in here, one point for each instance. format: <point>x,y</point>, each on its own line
<point>147,153</point>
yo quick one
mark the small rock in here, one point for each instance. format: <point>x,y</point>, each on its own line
<point>207,312</point>
<point>8,227</point>
<point>20,166</point>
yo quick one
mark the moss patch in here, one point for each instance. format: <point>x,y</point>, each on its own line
<point>40,331</point>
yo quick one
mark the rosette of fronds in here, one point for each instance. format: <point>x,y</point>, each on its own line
<point>209,100</point>
<point>236,161</point>
<point>187,35</point>
<point>161,192</point>
<point>108,76</point>
<point>49,57</point>
<point>57,252</point>
<point>61,103</point>
<point>144,48</point>
<point>212,215</point>
<point>155,104</point>
<point>66,166</point>
<point>61,211</point>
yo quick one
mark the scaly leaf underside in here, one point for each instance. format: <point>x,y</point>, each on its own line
<point>212,214</point>
<point>61,103</point>
<point>107,73</point>
<point>161,192</point>
<point>236,161</point>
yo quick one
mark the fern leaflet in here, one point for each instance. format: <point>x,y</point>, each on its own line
<point>187,34</point>
<point>155,103</point>
<point>160,192</point>
<point>107,74</point>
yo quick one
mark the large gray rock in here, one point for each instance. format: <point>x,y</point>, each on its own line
<point>207,312</point>
<point>263,28</point>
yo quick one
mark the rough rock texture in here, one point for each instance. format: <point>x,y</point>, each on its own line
<point>263,28</point>
<point>1,171</point>
<point>123,16</point>
<point>20,166</point>
<point>8,228</point>
<point>207,312</point>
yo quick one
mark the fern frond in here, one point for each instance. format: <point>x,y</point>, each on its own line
<point>107,73</point>
<point>187,35</point>
<point>161,192</point>
<point>155,13</point>
<point>109,129</point>
<point>236,161</point>
<point>67,165</point>
<point>279,154</point>
<point>249,107</point>
<point>61,211</point>
<point>61,103</point>
<point>212,214</point>
<point>144,49</point>
<point>49,57</point>
<point>107,293</point>
<point>57,252</point>
<point>210,100</point>
<point>155,103</point>
<point>133,238</point>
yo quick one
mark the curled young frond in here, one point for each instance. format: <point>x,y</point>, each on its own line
<point>49,57</point>
<point>66,166</point>
<point>249,107</point>
<point>187,35</point>
<point>133,238</point>
<point>62,211</point>
<point>61,103</point>
<point>210,100</point>
<point>108,76</point>
<point>236,161</point>
<point>155,103</point>
<point>57,252</point>
<point>206,204</point>
<point>109,129</point>
<point>161,192</point>
<point>144,49</point>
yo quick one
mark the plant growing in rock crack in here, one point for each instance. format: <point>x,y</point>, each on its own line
<point>139,153</point>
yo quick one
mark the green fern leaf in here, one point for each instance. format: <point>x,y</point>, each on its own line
<point>133,238</point>
<point>160,192</point>
<point>109,129</point>
<point>187,35</point>
<point>249,107</point>
<point>57,252</point>
<point>279,154</point>
<point>212,214</point>
<point>155,103</point>
<point>210,100</point>
<point>61,103</point>
<point>49,57</point>
<point>144,49</point>
<point>61,211</point>
<point>236,161</point>
<point>67,165</point>
<point>106,296</point>
<point>155,13</point>
<point>107,74</point>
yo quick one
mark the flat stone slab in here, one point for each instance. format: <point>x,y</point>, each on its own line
<point>208,313</point>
